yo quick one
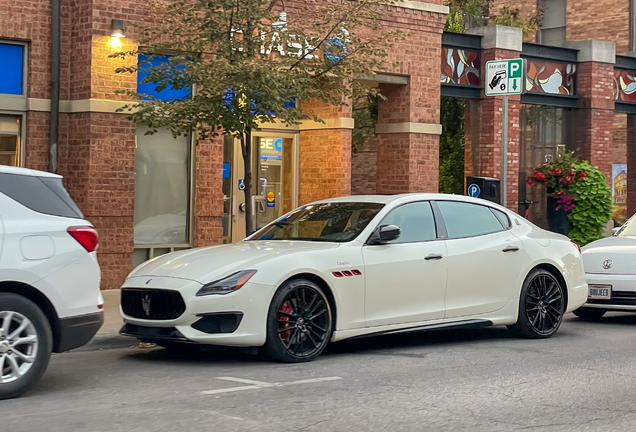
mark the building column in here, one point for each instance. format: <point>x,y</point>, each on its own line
<point>208,193</point>
<point>593,134</point>
<point>631,164</point>
<point>484,158</point>
<point>408,130</point>
<point>325,153</point>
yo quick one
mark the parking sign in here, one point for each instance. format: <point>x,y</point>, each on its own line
<point>504,77</point>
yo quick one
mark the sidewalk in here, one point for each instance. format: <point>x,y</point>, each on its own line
<point>112,319</point>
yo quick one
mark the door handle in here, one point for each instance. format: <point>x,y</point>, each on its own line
<point>510,249</point>
<point>434,257</point>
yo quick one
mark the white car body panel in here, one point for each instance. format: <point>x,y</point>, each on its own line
<point>392,293</point>
<point>36,250</point>
<point>418,293</point>
<point>621,275</point>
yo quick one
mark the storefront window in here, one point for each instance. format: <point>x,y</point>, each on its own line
<point>162,188</point>
<point>10,140</point>
<point>544,134</point>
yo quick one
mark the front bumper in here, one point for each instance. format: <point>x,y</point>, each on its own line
<point>250,306</point>
<point>623,292</point>
<point>75,332</point>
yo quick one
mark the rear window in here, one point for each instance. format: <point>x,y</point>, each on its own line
<point>41,194</point>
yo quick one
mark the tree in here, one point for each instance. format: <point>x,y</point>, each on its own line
<point>250,65</point>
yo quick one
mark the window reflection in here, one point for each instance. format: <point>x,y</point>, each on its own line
<point>161,188</point>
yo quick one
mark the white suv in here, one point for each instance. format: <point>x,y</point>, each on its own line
<point>49,276</point>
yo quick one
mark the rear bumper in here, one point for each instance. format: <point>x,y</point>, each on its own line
<point>75,332</point>
<point>623,292</point>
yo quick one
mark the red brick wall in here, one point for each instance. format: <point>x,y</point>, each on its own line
<point>37,140</point>
<point>596,114</point>
<point>619,140</point>
<point>30,20</point>
<point>208,211</point>
<point>97,160</point>
<point>606,20</point>
<point>409,162</point>
<point>364,166</point>
<point>325,164</point>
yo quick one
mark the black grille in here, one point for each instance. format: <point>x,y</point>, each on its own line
<point>152,304</point>
<point>619,298</point>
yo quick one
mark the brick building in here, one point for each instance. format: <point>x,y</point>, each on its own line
<point>579,96</point>
<point>148,195</point>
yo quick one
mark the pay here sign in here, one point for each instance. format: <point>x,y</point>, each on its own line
<point>504,77</point>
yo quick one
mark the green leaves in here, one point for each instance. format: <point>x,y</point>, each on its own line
<point>247,62</point>
<point>588,187</point>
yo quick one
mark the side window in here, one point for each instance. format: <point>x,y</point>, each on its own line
<point>415,221</point>
<point>467,220</point>
<point>503,218</point>
<point>41,194</point>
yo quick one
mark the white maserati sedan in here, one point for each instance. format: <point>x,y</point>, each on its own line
<point>610,266</point>
<point>358,266</point>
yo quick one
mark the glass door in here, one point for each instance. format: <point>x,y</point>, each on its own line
<point>274,179</point>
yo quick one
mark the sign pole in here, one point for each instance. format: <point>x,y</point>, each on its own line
<point>504,153</point>
<point>503,78</point>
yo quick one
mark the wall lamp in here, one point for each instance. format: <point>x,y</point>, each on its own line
<point>118,28</point>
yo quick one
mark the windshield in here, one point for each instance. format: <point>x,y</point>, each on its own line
<point>628,229</point>
<point>330,222</point>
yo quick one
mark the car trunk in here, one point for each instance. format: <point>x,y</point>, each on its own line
<point>613,255</point>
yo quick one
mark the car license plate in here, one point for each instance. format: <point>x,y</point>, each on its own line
<point>600,292</point>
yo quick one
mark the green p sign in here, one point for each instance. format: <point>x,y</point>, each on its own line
<point>504,77</point>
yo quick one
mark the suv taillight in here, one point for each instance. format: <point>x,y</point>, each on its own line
<point>86,236</point>
<point>578,246</point>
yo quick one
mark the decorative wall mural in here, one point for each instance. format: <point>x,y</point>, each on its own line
<point>552,77</point>
<point>460,66</point>
<point>625,85</point>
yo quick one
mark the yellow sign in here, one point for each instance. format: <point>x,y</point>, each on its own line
<point>270,196</point>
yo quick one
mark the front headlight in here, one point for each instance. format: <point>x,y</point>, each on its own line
<point>228,284</point>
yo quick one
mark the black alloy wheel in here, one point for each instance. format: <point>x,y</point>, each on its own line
<point>299,323</point>
<point>541,306</point>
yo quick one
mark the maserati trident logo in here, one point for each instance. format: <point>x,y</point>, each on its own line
<point>607,264</point>
<point>145,304</point>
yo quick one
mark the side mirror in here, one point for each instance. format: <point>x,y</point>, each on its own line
<point>385,234</point>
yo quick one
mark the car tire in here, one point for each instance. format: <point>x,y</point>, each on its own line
<point>589,314</point>
<point>17,311</point>
<point>299,322</point>
<point>541,306</point>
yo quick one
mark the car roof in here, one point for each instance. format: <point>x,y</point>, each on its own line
<point>389,199</point>
<point>26,172</point>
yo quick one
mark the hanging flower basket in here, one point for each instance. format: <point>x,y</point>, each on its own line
<point>579,201</point>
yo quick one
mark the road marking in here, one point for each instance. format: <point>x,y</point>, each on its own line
<point>247,381</point>
<point>256,385</point>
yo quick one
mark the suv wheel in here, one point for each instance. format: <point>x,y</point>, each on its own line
<point>25,344</point>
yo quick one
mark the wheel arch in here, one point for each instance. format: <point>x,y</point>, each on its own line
<point>554,271</point>
<point>36,296</point>
<point>324,286</point>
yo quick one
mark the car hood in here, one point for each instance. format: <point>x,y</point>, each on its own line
<point>620,250</point>
<point>211,263</point>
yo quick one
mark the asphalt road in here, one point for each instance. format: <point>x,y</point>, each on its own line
<point>583,379</point>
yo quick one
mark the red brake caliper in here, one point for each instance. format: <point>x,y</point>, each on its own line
<point>286,308</point>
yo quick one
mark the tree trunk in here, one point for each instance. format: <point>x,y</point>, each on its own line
<point>246,148</point>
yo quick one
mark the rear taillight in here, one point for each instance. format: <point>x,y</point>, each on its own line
<point>86,236</point>
<point>578,246</point>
